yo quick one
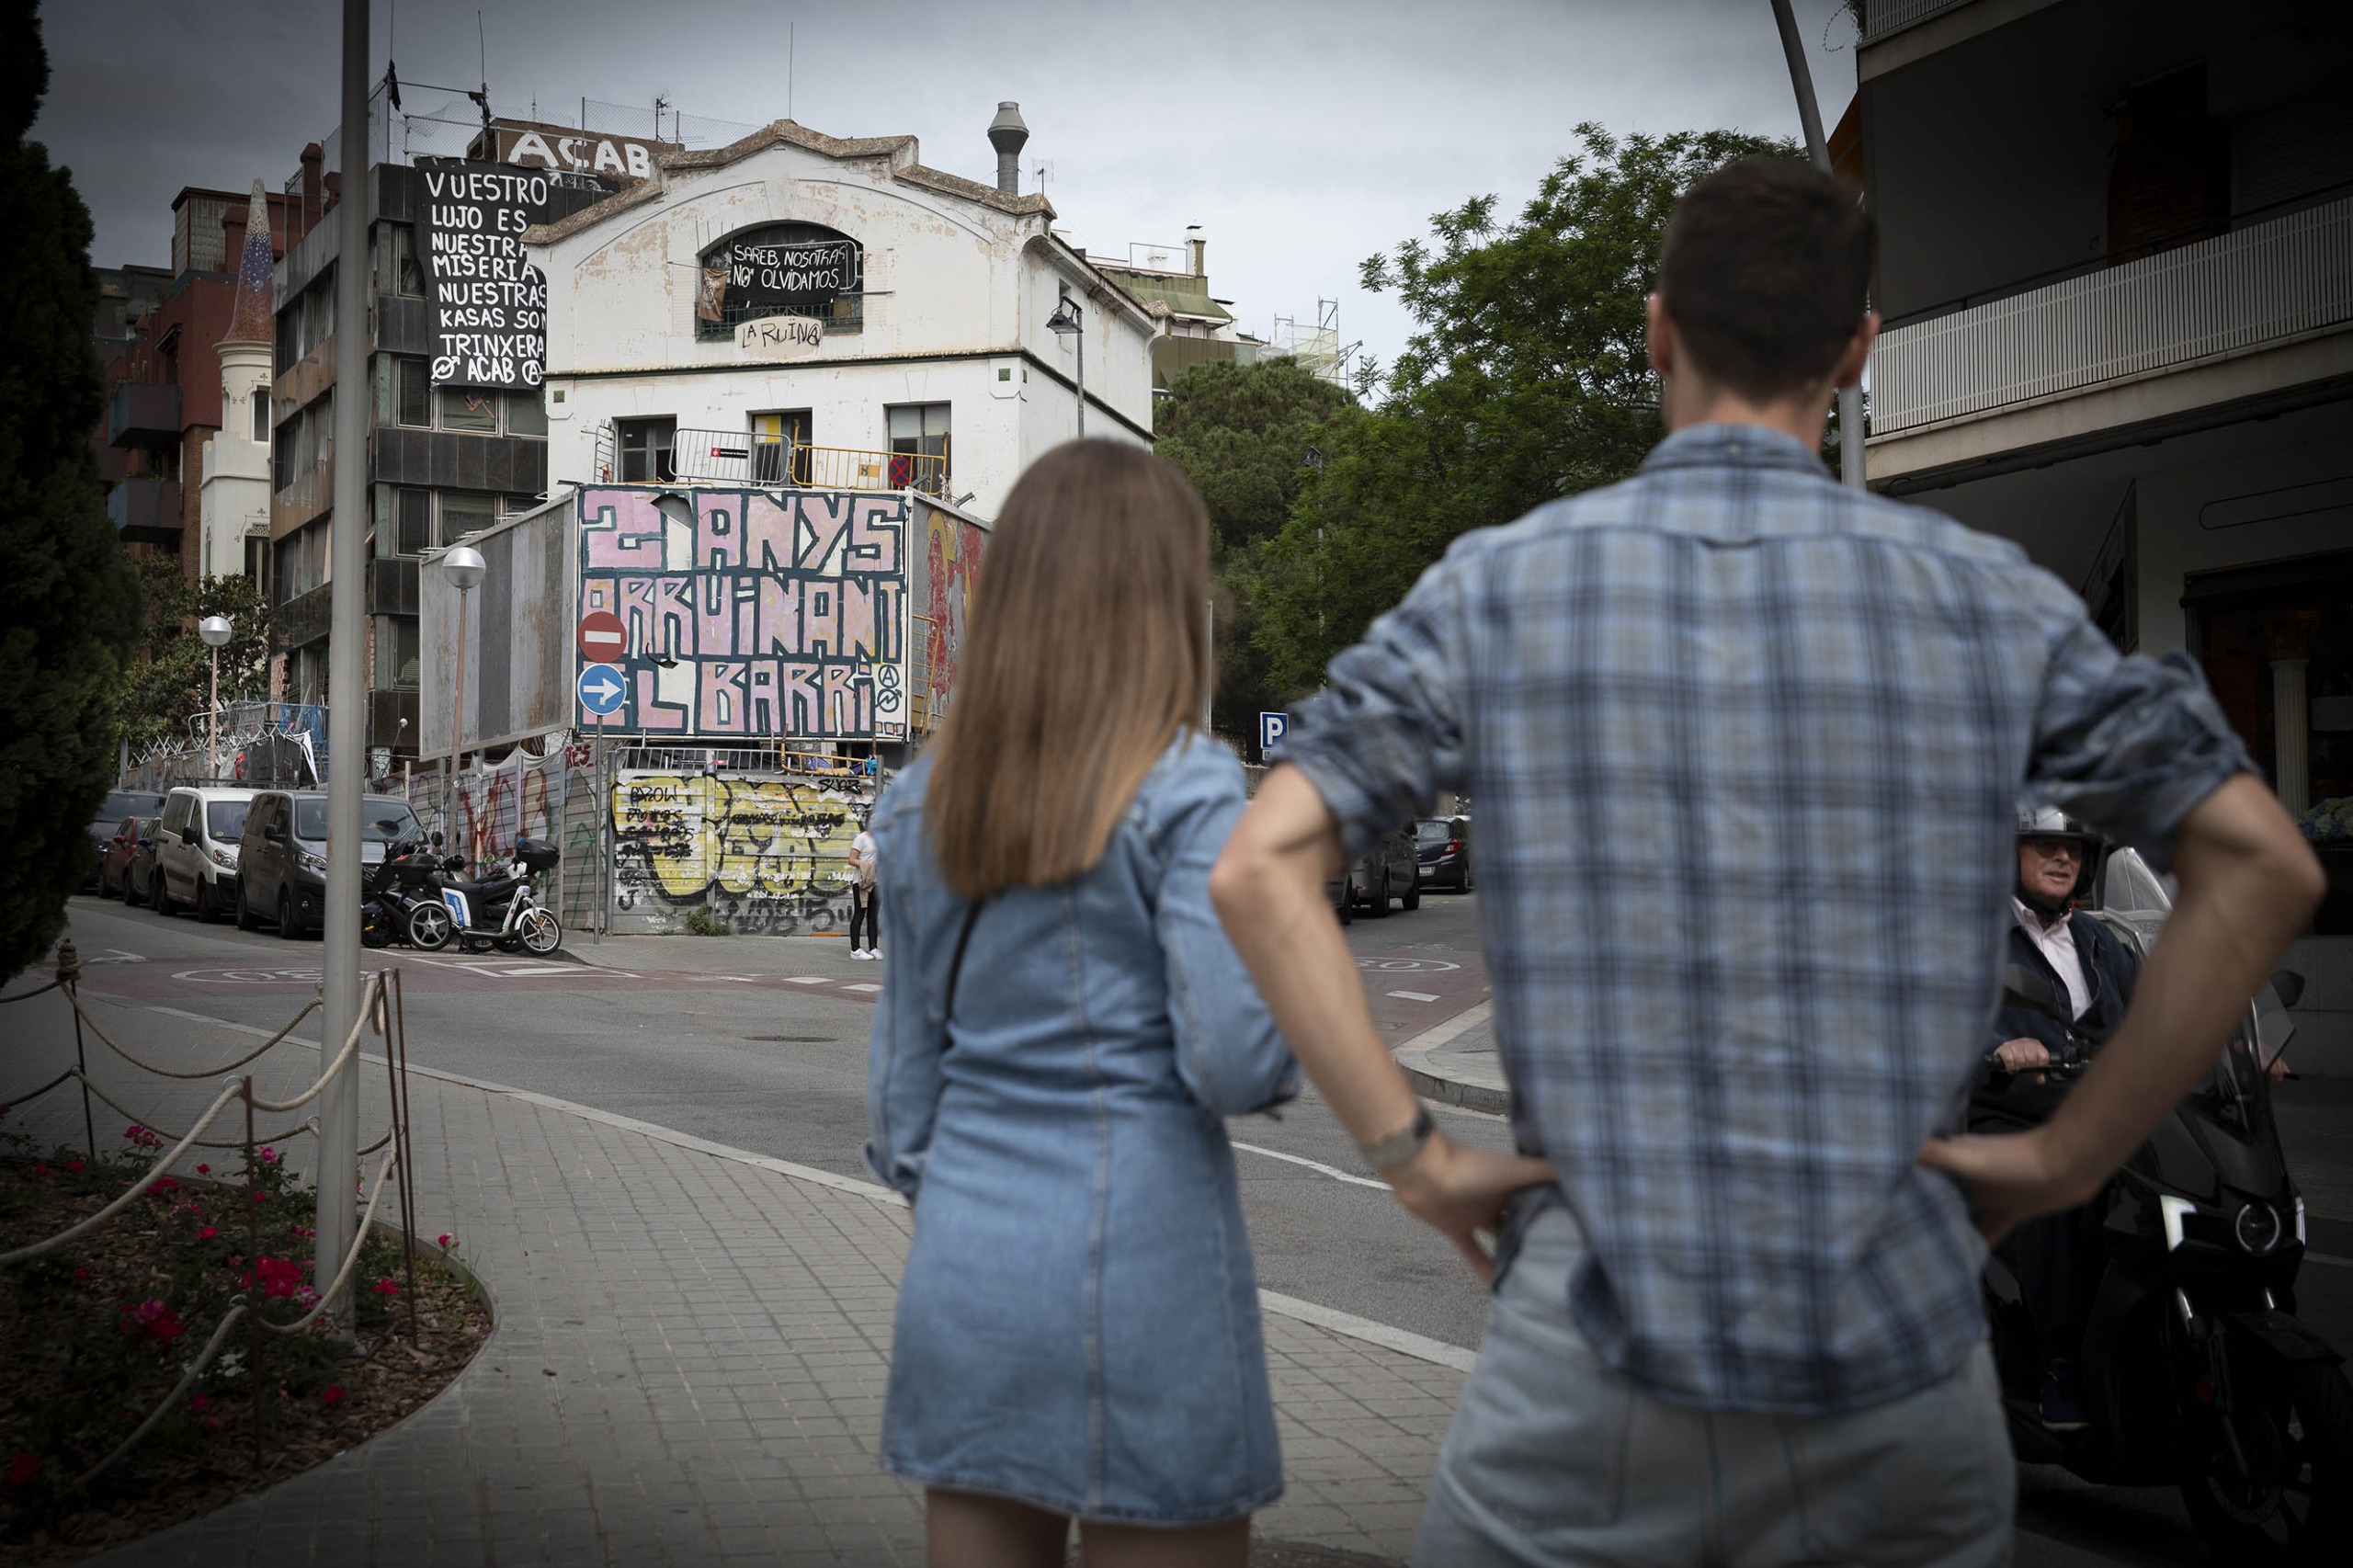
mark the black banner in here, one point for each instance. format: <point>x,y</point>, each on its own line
<point>490,306</point>
<point>779,277</point>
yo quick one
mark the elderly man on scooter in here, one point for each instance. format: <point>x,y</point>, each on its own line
<point>2081,959</point>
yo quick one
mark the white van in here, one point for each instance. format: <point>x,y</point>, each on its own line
<point>196,851</point>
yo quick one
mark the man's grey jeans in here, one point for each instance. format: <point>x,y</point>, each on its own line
<point>1554,1460</point>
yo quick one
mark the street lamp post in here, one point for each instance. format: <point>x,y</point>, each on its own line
<point>1064,323</point>
<point>1851,399</point>
<point>464,567</point>
<point>214,629</point>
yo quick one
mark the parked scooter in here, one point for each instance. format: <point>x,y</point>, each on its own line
<point>501,911</point>
<point>392,888</point>
<point>2196,1372</point>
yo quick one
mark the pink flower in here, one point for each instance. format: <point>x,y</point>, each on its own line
<point>279,1275</point>
<point>40,1170</point>
<point>81,1274</point>
<point>198,1401</point>
<point>204,1170</point>
<point>261,1198</point>
<point>23,1468</point>
<point>332,1394</point>
<point>268,1155</point>
<point>446,1241</point>
<point>207,1233</point>
<point>150,1319</point>
<point>76,1166</point>
<point>161,1185</point>
<point>386,1287</point>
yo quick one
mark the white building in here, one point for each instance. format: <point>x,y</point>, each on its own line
<point>233,505</point>
<point>889,320</point>
<point>2120,331</point>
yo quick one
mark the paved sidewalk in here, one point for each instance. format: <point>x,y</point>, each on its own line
<point>1458,1062</point>
<point>689,1352</point>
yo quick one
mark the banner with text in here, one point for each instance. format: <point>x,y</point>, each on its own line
<point>762,277</point>
<point>490,306</point>
<point>771,616</point>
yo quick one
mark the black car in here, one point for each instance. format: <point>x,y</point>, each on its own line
<point>1386,870</point>
<point>118,804</point>
<point>283,860</point>
<point>1443,848</point>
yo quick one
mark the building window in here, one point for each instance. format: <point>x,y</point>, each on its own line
<point>414,535</point>
<point>281,457</point>
<point>645,450</point>
<point>403,395</point>
<point>261,417</point>
<point>771,434</point>
<point>468,409</point>
<point>919,446</point>
<point>397,271</point>
<point>396,652</point>
<point>463,514</point>
<point>526,414</point>
<point>258,561</point>
<point>833,295</point>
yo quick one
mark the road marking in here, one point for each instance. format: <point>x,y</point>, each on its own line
<point>2329,1259</point>
<point>1403,1341</point>
<point>1333,1171</point>
<point>116,954</point>
<point>861,988</point>
<point>806,979</point>
<point>1404,966</point>
<point>1415,995</point>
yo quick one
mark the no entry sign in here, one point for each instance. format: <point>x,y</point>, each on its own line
<point>601,636</point>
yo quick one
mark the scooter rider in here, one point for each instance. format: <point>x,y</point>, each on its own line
<point>2084,961</point>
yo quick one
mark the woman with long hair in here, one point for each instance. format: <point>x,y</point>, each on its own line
<point>1058,1042</point>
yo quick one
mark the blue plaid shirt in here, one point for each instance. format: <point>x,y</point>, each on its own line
<point>1743,747</point>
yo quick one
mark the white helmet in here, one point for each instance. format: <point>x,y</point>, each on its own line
<point>2049,822</point>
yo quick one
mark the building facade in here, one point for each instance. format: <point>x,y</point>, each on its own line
<point>799,309</point>
<point>2119,329</point>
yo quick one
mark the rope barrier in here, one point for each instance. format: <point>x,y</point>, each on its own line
<point>372,1004</point>
<point>36,991</point>
<point>305,1126</point>
<point>37,1094</point>
<point>308,1008</point>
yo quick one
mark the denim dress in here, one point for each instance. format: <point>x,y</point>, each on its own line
<point>1078,1321</point>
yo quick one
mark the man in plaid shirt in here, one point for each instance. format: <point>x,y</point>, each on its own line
<point>1738,1315</point>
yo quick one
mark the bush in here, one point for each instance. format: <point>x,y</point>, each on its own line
<point>701,922</point>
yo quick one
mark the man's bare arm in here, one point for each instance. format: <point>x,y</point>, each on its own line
<point>2248,886</point>
<point>1269,888</point>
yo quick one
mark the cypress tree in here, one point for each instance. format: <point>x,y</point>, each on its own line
<point>69,602</point>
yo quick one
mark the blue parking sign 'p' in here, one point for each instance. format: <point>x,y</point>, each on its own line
<point>601,688</point>
<point>1272,727</point>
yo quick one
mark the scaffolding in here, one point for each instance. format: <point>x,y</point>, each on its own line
<point>1316,349</point>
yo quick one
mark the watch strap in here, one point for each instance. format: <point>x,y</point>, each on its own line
<point>1400,1147</point>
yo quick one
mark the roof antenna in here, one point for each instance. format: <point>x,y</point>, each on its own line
<point>789,28</point>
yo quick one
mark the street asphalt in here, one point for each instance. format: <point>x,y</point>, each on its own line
<point>760,1044</point>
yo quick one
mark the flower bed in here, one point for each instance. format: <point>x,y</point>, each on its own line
<point>100,1331</point>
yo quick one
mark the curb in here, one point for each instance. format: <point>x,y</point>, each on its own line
<point>1414,1056</point>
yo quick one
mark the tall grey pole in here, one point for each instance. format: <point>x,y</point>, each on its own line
<point>1082,376</point>
<point>348,698</point>
<point>1851,399</point>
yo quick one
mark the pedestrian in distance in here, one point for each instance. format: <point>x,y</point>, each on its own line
<point>863,895</point>
<point>1707,714</point>
<point>1058,1042</point>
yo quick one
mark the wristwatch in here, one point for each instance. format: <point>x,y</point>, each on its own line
<point>1399,1147</point>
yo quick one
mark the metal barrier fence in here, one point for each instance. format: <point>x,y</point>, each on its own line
<point>749,458</point>
<point>2235,291</point>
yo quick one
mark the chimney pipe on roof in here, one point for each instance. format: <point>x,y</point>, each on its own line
<point>1008,134</point>
<point>1197,249</point>
<point>314,160</point>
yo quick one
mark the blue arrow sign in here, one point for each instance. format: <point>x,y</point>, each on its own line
<point>601,688</point>
<point>1272,727</point>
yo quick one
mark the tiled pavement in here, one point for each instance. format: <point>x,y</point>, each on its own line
<point>689,1354</point>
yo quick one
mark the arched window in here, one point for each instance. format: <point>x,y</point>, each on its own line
<point>803,269</point>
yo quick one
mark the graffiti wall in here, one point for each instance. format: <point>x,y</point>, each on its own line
<point>951,569</point>
<point>768,856</point>
<point>769,616</point>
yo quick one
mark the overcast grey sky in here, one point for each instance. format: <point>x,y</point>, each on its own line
<point>1304,135</point>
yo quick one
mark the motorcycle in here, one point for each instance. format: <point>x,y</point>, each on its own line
<point>501,911</point>
<point>392,889</point>
<point>2196,1372</point>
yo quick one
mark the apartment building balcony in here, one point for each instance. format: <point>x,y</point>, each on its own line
<point>144,413</point>
<point>146,511</point>
<point>2247,324</point>
<point>749,458</point>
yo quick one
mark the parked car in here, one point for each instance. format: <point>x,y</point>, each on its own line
<point>1341,891</point>
<point>1443,847</point>
<point>282,863</point>
<point>1387,870</point>
<point>114,859</point>
<point>197,848</point>
<point>139,876</point>
<point>118,804</point>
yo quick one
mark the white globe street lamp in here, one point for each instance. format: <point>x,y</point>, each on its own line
<point>215,630</point>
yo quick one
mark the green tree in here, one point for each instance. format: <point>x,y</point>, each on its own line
<point>169,683</point>
<point>1527,378</point>
<point>69,606</point>
<point>1245,436</point>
